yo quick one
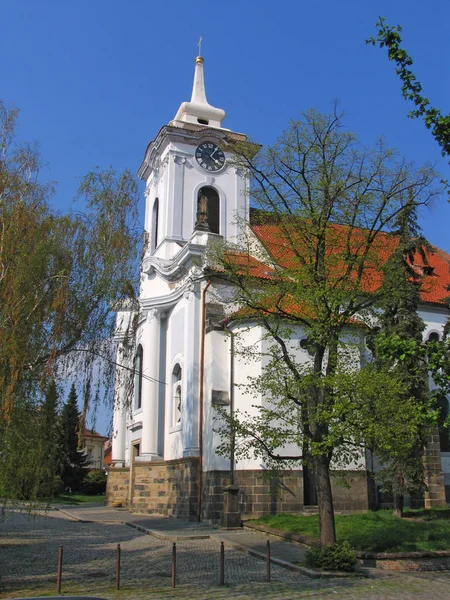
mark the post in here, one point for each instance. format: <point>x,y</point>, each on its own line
<point>268,561</point>
<point>222,564</point>
<point>59,572</point>
<point>174,564</point>
<point>118,567</point>
<point>231,516</point>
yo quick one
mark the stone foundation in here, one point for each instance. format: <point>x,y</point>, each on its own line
<point>117,486</point>
<point>260,496</point>
<point>168,488</point>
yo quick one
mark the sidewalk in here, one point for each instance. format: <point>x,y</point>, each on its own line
<point>284,553</point>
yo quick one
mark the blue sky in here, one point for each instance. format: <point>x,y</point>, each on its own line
<point>95,80</point>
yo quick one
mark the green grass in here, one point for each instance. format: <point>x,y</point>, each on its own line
<point>76,499</point>
<point>380,531</point>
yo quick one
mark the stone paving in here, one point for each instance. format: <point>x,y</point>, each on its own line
<point>29,547</point>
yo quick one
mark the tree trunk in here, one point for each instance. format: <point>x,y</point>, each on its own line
<point>398,505</point>
<point>324,501</point>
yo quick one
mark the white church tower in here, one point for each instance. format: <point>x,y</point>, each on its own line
<point>194,194</point>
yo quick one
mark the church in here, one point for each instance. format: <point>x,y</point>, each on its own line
<point>164,458</point>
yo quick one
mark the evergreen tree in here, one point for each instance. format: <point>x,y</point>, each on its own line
<point>48,447</point>
<point>401,325</point>
<point>74,462</point>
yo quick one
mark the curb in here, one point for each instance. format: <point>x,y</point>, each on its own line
<point>290,537</point>
<point>285,564</point>
<point>167,537</point>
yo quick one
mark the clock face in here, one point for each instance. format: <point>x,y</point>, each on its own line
<point>209,156</point>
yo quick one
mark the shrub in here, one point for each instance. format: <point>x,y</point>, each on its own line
<point>95,482</point>
<point>340,557</point>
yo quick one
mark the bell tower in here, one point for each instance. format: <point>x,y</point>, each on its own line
<point>191,183</point>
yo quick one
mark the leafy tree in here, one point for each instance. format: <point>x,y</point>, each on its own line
<point>74,461</point>
<point>411,89</point>
<point>328,209</point>
<point>60,278</point>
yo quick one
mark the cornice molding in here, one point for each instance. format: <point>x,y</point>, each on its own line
<point>176,268</point>
<point>190,135</point>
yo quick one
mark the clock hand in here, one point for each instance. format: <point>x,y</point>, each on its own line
<point>212,153</point>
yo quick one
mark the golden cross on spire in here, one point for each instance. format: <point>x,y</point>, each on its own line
<point>200,46</point>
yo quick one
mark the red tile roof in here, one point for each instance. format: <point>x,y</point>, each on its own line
<point>91,433</point>
<point>248,265</point>
<point>436,274</point>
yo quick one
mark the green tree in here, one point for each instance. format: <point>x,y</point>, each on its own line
<point>61,275</point>
<point>411,88</point>
<point>48,450</point>
<point>74,462</point>
<point>328,211</point>
<point>403,472</point>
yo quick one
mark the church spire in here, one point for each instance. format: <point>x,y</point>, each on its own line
<point>198,110</point>
<point>198,89</point>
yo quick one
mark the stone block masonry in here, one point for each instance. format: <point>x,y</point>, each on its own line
<point>170,488</point>
<point>118,486</point>
<point>261,495</point>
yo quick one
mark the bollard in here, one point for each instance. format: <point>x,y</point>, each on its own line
<point>222,564</point>
<point>118,567</point>
<point>59,571</point>
<point>174,564</point>
<point>268,561</point>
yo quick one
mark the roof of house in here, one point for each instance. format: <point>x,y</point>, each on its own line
<point>91,433</point>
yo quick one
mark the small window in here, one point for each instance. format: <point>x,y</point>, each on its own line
<point>177,394</point>
<point>155,217</point>
<point>138,377</point>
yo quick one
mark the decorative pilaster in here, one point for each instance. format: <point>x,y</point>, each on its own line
<point>119,416</point>
<point>150,388</point>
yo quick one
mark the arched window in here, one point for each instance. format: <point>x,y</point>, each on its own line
<point>213,208</point>
<point>177,394</point>
<point>155,216</point>
<point>138,377</point>
<point>433,337</point>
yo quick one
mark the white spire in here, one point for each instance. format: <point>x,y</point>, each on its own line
<point>198,110</point>
<point>198,89</point>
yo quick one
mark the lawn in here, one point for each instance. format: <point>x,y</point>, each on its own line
<point>76,499</point>
<point>380,531</point>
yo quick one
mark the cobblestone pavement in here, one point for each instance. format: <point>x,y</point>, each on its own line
<point>29,547</point>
